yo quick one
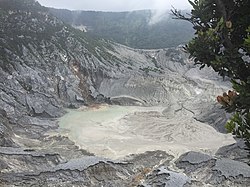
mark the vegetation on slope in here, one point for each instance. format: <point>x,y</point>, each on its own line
<point>133,29</point>
<point>27,24</point>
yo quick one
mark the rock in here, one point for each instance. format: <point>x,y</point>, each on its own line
<point>195,158</point>
<point>5,136</point>
<point>230,168</point>
<point>167,178</point>
<point>237,151</point>
<point>126,101</point>
<point>206,170</point>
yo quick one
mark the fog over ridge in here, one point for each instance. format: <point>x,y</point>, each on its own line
<point>116,5</point>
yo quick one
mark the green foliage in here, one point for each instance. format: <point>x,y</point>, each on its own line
<point>247,40</point>
<point>13,5</point>
<point>222,41</point>
<point>239,126</point>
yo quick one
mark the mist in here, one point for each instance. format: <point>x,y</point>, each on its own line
<point>159,8</point>
<point>116,5</point>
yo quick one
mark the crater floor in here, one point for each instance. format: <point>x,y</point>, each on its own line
<point>117,131</point>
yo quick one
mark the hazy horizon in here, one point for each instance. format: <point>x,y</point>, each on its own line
<point>116,5</point>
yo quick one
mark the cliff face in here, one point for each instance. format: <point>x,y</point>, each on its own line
<point>46,66</point>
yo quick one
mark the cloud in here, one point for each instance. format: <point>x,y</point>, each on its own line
<point>115,5</point>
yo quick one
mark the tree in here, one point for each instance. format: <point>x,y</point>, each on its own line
<point>222,41</point>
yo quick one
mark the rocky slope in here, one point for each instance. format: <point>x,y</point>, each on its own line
<point>46,66</point>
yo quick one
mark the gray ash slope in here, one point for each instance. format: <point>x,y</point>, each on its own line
<point>46,66</point>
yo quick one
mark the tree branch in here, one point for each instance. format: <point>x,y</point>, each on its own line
<point>222,9</point>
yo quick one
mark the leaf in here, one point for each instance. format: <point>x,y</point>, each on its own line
<point>193,4</point>
<point>221,21</point>
<point>230,126</point>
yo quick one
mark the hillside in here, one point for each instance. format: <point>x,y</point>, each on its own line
<point>138,29</point>
<point>48,68</point>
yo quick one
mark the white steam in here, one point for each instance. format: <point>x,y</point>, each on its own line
<point>158,15</point>
<point>160,10</point>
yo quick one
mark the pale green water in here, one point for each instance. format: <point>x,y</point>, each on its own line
<point>116,131</point>
<point>98,124</point>
<point>103,114</point>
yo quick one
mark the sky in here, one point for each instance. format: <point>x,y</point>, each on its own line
<point>115,5</point>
